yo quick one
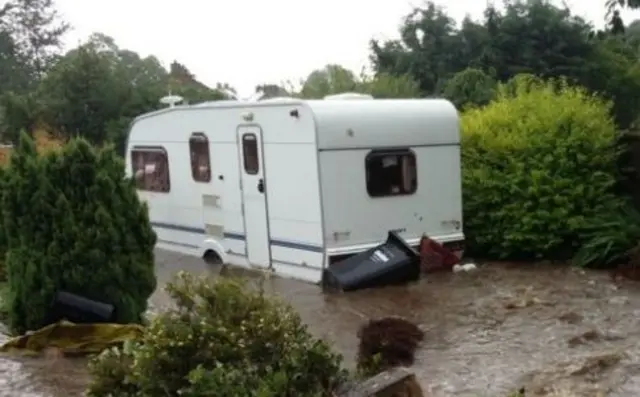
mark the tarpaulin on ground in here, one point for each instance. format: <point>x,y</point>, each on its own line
<point>71,338</point>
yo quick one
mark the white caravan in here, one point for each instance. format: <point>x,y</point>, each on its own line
<point>292,186</point>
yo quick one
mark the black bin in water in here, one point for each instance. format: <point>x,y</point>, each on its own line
<point>392,262</point>
<point>80,310</point>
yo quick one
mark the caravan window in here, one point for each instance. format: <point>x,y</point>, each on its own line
<point>250,153</point>
<point>391,173</point>
<point>151,169</point>
<point>200,161</point>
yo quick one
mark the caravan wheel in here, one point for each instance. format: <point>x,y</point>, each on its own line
<point>212,258</point>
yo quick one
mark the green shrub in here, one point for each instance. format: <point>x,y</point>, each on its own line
<point>3,241</point>
<point>223,337</point>
<point>73,222</point>
<point>3,271</point>
<point>539,167</point>
<point>608,239</point>
<point>4,302</point>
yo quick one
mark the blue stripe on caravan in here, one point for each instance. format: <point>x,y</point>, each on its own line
<point>297,246</point>
<point>234,236</point>
<point>240,237</point>
<point>177,243</point>
<point>179,228</point>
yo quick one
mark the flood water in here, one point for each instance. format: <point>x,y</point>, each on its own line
<point>548,328</point>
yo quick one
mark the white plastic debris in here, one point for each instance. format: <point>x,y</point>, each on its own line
<point>467,267</point>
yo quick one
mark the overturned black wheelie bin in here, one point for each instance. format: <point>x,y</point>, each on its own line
<point>393,262</point>
<point>80,310</point>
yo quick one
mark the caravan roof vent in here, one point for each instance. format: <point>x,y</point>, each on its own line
<point>171,100</point>
<point>347,95</point>
<point>279,99</point>
<point>213,103</point>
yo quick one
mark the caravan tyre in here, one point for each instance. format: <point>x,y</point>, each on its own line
<point>212,258</point>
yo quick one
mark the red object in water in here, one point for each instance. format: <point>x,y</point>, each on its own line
<point>435,257</point>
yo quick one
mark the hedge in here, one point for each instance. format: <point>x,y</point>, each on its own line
<point>539,168</point>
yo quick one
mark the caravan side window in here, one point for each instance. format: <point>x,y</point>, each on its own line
<point>200,161</point>
<point>250,153</point>
<point>391,173</point>
<point>151,169</point>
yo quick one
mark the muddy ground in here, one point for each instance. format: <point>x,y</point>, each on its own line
<point>551,329</point>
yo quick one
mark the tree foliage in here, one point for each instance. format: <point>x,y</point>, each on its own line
<point>97,88</point>
<point>335,79</point>
<point>471,87</point>
<point>73,222</point>
<point>12,66</point>
<point>93,90</point>
<point>613,6</point>
<point>108,85</point>
<point>36,29</point>
<point>526,36</point>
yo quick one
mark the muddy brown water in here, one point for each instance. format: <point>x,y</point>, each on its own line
<point>548,328</point>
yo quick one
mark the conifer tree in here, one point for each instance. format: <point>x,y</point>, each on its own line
<point>74,222</point>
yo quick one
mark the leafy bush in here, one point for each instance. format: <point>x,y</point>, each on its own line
<point>609,238</point>
<point>73,222</point>
<point>223,337</point>
<point>539,167</point>
<point>3,301</point>
<point>3,239</point>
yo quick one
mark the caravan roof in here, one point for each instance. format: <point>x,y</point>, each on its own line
<point>385,123</point>
<point>361,123</point>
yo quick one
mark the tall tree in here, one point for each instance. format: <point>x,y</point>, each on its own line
<point>272,91</point>
<point>83,93</point>
<point>537,37</point>
<point>612,71</point>
<point>632,34</point>
<point>385,86</point>
<point>633,4</point>
<point>336,79</point>
<point>429,49</point>
<point>13,69</point>
<point>613,7</point>
<point>528,36</point>
<point>96,89</point>
<point>37,29</point>
<point>185,84</point>
<point>471,87</point>
<point>332,79</point>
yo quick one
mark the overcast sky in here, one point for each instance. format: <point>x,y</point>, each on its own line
<point>249,42</point>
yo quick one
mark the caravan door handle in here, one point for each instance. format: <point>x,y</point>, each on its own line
<point>261,185</point>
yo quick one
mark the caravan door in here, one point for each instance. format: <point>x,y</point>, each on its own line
<point>254,198</point>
